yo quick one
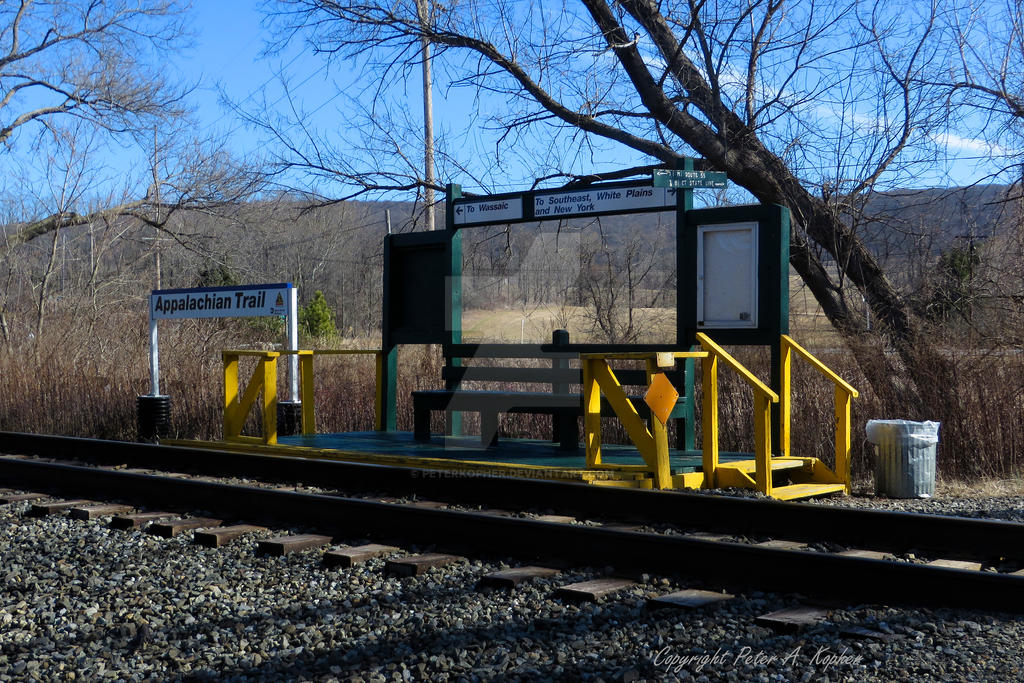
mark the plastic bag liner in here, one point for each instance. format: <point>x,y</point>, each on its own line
<point>905,457</point>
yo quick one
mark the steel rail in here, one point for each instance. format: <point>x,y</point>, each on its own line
<point>948,537</point>
<point>809,573</point>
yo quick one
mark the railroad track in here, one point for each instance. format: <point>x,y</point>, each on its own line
<point>725,560</point>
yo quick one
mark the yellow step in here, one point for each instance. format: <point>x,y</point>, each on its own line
<point>794,491</point>
<point>778,464</point>
<point>625,483</point>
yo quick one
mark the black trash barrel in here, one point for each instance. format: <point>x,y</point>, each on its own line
<point>154,417</point>
<point>289,418</point>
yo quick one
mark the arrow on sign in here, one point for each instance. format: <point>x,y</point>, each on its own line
<point>680,179</point>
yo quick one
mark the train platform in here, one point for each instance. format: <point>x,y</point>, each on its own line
<point>532,458</point>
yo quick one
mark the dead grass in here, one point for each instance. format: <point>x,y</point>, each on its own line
<point>84,379</point>
<point>534,326</point>
<point>982,488</point>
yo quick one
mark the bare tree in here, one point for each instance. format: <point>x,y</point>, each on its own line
<point>66,180</point>
<point>617,283</point>
<point>95,61</point>
<point>82,82</point>
<point>985,80</point>
<point>82,58</point>
<point>809,105</point>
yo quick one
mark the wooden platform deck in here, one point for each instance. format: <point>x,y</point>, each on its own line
<point>518,457</point>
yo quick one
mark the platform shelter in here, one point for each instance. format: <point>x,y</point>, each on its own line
<point>732,267</point>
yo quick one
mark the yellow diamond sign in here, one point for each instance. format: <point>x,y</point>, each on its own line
<point>661,397</point>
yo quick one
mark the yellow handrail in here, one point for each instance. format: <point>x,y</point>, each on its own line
<point>763,398</point>
<point>844,393</point>
<point>711,347</point>
<point>264,380</point>
<point>821,367</point>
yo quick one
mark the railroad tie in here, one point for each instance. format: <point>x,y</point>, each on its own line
<point>138,519</point>
<point>687,599</point>
<point>217,536</point>
<point>781,544</point>
<point>87,512</point>
<point>284,545</point>
<point>9,498</point>
<point>591,591</point>
<point>867,554</point>
<point>414,565</point>
<point>349,557</point>
<point>792,619</point>
<point>496,512</point>
<point>172,528</point>
<point>510,578</point>
<point>429,504</point>
<point>956,564</point>
<point>44,509</point>
<point>707,536</point>
<point>559,519</point>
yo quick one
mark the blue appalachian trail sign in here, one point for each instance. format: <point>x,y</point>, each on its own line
<point>678,179</point>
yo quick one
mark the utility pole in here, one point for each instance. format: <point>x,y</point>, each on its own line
<point>428,115</point>
<point>156,193</point>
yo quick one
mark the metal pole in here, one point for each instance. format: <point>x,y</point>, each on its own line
<point>293,341</point>
<point>428,116</point>
<point>156,194</point>
<point>154,354</point>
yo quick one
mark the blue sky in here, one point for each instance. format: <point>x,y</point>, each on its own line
<point>227,56</point>
<point>227,59</point>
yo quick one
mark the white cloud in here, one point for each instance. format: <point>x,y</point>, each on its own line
<point>973,145</point>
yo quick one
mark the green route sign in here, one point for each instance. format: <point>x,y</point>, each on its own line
<point>678,179</point>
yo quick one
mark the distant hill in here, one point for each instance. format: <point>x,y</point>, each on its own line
<point>915,223</point>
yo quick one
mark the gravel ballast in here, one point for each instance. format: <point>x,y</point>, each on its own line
<point>83,602</point>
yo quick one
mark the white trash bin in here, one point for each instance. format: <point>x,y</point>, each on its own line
<point>904,457</point>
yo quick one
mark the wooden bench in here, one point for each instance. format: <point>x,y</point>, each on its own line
<point>546,388</point>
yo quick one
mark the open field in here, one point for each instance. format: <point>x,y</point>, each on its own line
<point>534,324</point>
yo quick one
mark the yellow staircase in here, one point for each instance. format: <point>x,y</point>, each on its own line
<point>810,476</point>
<point>804,477</point>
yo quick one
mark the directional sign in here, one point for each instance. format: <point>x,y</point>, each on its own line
<point>493,210</point>
<point>617,199</point>
<point>689,179</point>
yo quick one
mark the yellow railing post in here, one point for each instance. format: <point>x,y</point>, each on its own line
<point>230,395</point>
<point>662,465</point>
<point>306,382</point>
<point>591,413</point>
<point>264,378</point>
<point>843,399</point>
<point>269,367</point>
<point>236,407</point>
<point>709,420</point>
<point>762,443</point>
<point>785,396</point>
<point>652,440</point>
